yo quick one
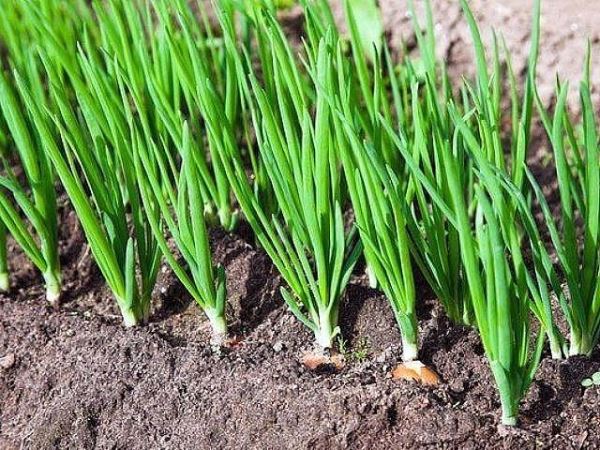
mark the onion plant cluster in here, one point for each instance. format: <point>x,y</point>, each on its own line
<point>29,201</point>
<point>429,191</point>
<point>161,122</point>
<point>34,201</point>
<point>308,240</point>
<point>575,240</point>
<point>179,173</point>
<point>94,162</point>
<point>488,136</point>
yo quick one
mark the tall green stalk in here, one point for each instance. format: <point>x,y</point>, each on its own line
<point>576,240</point>
<point>165,52</point>
<point>176,192</point>
<point>499,283</point>
<point>486,98</point>
<point>29,202</point>
<point>4,268</point>
<point>93,160</point>
<point>380,209</point>
<point>28,209</point>
<point>308,242</point>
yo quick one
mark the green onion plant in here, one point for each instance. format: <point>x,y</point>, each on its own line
<point>91,151</point>
<point>435,241</point>
<point>374,178</point>
<point>462,180</point>
<point>176,192</point>
<point>308,242</point>
<point>28,205</point>
<point>402,108</point>
<point>29,200</point>
<point>4,268</point>
<point>576,239</point>
<point>486,98</point>
<point>172,172</point>
<point>501,287</point>
<point>380,209</point>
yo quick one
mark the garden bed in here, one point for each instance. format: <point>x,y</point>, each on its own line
<point>80,380</point>
<point>75,378</point>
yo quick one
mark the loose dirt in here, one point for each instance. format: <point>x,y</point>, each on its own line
<point>77,379</point>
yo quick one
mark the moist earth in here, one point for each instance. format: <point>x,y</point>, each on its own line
<point>75,378</point>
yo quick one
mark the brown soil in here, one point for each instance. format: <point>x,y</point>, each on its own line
<point>80,380</point>
<point>566,28</point>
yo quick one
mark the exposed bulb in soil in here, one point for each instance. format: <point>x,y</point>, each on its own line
<point>417,371</point>
<point>410,351</point>
<point>510,421</point>
<point>323,359</point>
<point>130,319</point>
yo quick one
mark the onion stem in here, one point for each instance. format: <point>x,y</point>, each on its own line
<point>217,322</point>
<point>4,281</point>
<point>325,332</point>
<point>4,276</point>
<point>53,287</point>
<point>130,318</point>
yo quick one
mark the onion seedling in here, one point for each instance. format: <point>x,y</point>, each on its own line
<point>308,242</point>
<point>436,243</point>
<point>380,209</point>
<point>487,238</point>
<point>486,98</point>
<point>501,306</point>
<point>500,287</point>
<point>176,192</point>
<point>576,241</point>
<point>414,117</point>
<point>177,185</point>
<point>29,201</point>
<point>377,190</point>
<point>497,277</point>
<point>28,208</point>
<point>436,247</point>
<point>93,160</point>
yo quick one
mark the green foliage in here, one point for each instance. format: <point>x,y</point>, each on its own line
<point>176,193</point>
<point>367,26</point>
<point>156,120</point>
<point>500,285</point>
<point>307,242</point>
<point>489,118</point>
<point>380,209</point>
<point>4,269</point>
<point>174,176</point>
<point>28,208</point>
<point>457,172</point>
<point>92,157</point>
<point>577,163</point>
